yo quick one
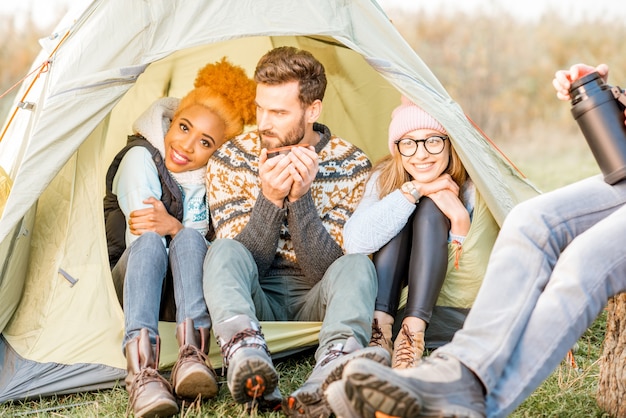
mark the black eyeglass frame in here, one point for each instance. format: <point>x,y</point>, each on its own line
<point>423,141</point>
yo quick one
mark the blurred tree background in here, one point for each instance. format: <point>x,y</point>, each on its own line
<point>18,49</point>
<point>500,69</point>
<point>497,67</point>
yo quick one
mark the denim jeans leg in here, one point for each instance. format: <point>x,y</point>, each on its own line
<point>590,270</point>
<point>145,272</point>
<point>187,252</point>
<point>344,301</point>
<point>524,256</point>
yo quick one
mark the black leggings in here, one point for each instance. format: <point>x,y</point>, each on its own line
<point>418,255</point>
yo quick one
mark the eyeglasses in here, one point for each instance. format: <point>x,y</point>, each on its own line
<point>433,145</point>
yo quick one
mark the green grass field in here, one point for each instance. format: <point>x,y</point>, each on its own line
<point>568,392</point>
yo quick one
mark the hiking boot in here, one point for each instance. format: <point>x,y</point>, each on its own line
<point>192,374</point>
<point>381,336</point>
<point>336,398</point>
<point>251,373</point>
<point>150,395</point>
<point>308,400</point>
<point>440,386</point>
<point>408,348</point>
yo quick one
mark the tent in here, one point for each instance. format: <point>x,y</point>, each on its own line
<point>106,62</point>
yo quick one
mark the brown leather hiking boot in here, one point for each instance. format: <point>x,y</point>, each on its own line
<point>150,395</point>
<point>192,374</point>
<point>408,348</point>
<point>381,336</point>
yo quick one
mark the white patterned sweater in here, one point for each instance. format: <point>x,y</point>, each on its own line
<point>304,237</point>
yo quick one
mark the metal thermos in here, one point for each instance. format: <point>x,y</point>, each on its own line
<point>599,110</point>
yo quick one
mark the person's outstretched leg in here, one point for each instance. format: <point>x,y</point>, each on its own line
<point>590,270</point>
<point>521,264</point>
<point>524,256</point>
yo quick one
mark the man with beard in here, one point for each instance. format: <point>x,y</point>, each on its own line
<point>279,223</point>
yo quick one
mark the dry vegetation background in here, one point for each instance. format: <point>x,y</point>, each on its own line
<point>498,68</point>
<point>18,47</point>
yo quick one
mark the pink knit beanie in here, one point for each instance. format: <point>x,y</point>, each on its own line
<point>408,117</point>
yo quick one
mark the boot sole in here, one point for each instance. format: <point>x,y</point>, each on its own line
<point>373,390</point>
<point>162,409</point>
<point>198,382</point>
<point>253,379</point>
<point>338,401</point>
<point>337,372</point>
<point>313,403</point>
<point>295,409</point>
<point>370,394</point>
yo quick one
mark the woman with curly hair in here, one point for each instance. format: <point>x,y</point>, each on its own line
<point>158,228</point>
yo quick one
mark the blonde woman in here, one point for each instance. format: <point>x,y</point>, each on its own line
<point>414,217</point>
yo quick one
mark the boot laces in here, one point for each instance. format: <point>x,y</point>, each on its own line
<point>408,350</point>
<point>331,354</point>
<point>246,338</point>
<point>188,354</point>
<point>378,338</point>
<point>145,376</point>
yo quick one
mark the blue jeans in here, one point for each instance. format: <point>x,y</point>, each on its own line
<point>343,299</point>
<point>143,267</point>
<point>557,260</point>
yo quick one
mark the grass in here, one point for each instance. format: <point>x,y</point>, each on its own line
<point>293,372</point>
<point>568,391</point>
<point>550,158</point>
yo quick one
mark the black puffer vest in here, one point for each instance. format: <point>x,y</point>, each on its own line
<point>115,222</point>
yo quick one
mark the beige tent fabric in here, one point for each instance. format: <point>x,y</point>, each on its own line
<point>59,308</point>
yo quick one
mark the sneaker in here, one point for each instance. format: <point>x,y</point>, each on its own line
<point>308,400</point>
<point>336,398</point>
<point>251,373</point>
<point>440,386</point>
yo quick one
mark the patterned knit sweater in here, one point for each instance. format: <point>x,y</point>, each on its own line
<point>304,237</point>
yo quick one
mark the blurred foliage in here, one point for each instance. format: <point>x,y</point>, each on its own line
<point>17,51</point>
<point>500,69</point>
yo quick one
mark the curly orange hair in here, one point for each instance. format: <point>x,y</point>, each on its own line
<point>226,90</point>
